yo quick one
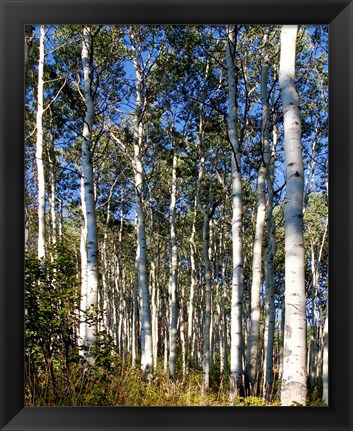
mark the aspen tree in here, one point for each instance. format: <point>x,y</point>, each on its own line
<point>39,149</point>
<point>173,272</point>
<point>88,186</point>
<point>146,325</point>
<point>325,396</point>
<point>192,284</point>
<point>236,348</point>
<point>257,275</point>
<point>270,311</point>
<point>84,289</point>
<point>293,387</point>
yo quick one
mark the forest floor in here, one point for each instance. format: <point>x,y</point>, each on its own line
<point>122,385</point>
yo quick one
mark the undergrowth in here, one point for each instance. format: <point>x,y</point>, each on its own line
<point>77,384</point>
<point>117,383</point>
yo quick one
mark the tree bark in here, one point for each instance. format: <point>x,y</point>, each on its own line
<point>154,306</point>
<point>84,287</point>
<point>207,313</point>
<point>192,285</point>
<point>270,311</point>
<point>39,148</point>
<point>88,184</point>
<point>134,341</point>
<point>146,327</point>
<point>173,274</point>
<point>325,397</point>
<point>293,387</point>
<point>52,197</point>
<point>236,348</point>
<point>253,343</point>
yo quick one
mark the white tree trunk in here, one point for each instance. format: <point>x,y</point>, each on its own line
<point>325,380</point>
<point>39,149</point>
<point>146,327</point>
<point>207,313</point>
<point>88,183</point>
<point>224,319</point>
<point>60,220</point>
<point>134,313</point>
<point>154,306</point>
<point>182,335</point>
<point>293,387</point>
<point>236,348</point>
<point>253,343</point>
<point>269,280</point>
<point>252,348</point>
<point>173,275</point>
<point>84,286</point>
<point>105,298</point>
<point>52,198</point>
<point>192,285</point>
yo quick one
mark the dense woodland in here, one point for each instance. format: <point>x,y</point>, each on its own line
<point>176,215</point>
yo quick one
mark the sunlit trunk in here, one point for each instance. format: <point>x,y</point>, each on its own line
<point>236,348</point>
<point>173,273</point>
<point>39,149</point>
<point>192,287</point>
<point>88,185</point>
<point>257,274</point>
<point>293,387</point>
<point>325,379</point>
<point>146,326</point>
<point>207,310</point>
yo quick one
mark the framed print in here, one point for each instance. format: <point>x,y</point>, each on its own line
<point>176,214</point>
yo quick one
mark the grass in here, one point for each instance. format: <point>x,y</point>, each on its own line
<point>122,385</point>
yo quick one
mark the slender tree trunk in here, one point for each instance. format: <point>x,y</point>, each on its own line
<point>236,349</point>
<point>146,327</point>
<point>281,340</point>
<point>269,279</point>
<point>173,274</point>
<point>206,241</point>
<point>104,291</point>
<point>192,285</point>
<point>224,318</point>
<point>314,339</point>
<point>208,293</point>
<point>84,286</point>
<point>270,312</point>
<point>92,234</point>
<point>52,198</point>
<point>60,220</point>
<point>182,334</point>
<point>134,315</point>
<point>154,305</point>
<point>253,343</point>
<point>207,217</point>
<point>293,387</point>
<point>39,149</point>
<point>325,379</point>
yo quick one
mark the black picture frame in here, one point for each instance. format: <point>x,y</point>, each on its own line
<point>14,15</point>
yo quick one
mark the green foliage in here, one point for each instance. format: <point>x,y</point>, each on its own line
<point>51,301</point>
<point>255,402</point>
<point>314,398</point>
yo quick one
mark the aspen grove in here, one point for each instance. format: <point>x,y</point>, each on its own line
<point>176,215</point>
